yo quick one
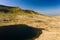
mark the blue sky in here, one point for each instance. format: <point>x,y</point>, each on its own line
<point>47,7</point>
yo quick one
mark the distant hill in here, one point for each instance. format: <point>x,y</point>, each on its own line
<point>7,9</point>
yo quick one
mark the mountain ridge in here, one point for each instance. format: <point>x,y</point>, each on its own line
<point>4,8</point>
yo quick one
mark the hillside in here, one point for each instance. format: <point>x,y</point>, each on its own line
<point>15,15</point>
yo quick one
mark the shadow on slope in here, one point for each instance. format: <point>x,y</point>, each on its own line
<point>19,32</point>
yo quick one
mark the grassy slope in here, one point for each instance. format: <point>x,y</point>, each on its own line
<point>19,16</point>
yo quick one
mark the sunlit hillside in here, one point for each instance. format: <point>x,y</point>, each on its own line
<point>15,15</point>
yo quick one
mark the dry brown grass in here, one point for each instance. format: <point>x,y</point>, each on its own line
<point>50,23</point>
